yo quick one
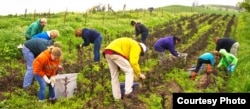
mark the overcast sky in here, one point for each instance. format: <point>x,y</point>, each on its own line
<point>19,6</point>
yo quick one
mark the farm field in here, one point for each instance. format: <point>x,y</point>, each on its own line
<point>196,29</point>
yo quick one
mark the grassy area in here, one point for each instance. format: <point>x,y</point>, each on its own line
<point>111,26</point>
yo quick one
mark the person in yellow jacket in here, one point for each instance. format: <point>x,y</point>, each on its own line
<point>124,53</point>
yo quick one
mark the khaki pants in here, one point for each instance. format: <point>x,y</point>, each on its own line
<point>234,48</point>
<point>162,57</point>
<point>115,61</point>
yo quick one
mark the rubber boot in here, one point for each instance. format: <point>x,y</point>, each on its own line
<point>209,69</point>
<point>193,75</point>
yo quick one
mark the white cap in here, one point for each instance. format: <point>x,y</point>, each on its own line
<point>143,46</point>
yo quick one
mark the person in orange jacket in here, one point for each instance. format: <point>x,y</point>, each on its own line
<point>44,68</point>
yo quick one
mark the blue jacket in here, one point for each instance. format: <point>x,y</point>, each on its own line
<point>166,43</point>
<point>89,36</point>
<point>43,35</point>
<point>208,56</point>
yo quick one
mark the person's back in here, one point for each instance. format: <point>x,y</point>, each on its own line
<point>125,46</point>
<point>140,28</point>
<point>35,28</point>
<point>90,36</point>
<point>164,43</point>
<point>48,35</point>
<point>208,56</point>
<point>225,43</point>
<point>37,45</point>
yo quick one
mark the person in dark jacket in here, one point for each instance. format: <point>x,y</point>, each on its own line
<point>90,36</point>
<point>166,43</point>
<point>31,49</point>
<point>140,29</point>
<point>230,45</point>
<point>35,28</point>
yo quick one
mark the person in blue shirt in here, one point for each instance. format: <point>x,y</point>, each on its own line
<point>206,58</point>
<point>90,36</point>
<point>48,35</point>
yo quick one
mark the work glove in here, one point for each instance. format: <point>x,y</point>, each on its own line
<point>52,81</point>
<point>142,76</point>
<point>231,68</point>
<point>178,54</point>
<point>79,46</point>
<point>46,79</point>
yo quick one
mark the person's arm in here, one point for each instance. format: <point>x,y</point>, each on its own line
<point>235,60</point>
<point>137,29</point>
<point>218,46</point>
<point>33,30</point>
<point>221,62</point>
<point>134,59</point>
<point>173,51</point>
<point>86,41</point>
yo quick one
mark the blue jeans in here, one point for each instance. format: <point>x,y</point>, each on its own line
<point>97,47</point>
<point>42,90</point>
<point>144,35</point>
<point>29,58</point>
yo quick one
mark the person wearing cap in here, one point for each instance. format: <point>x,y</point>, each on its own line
<point>124,53</point>
<point>166,43</point>
<point>35,28</point>
<point>140,29</point>
<point>48,35</point>
<point>90,36</point>
<point>31,49</point>
<point>227,60</point>
<point>229,44</point>
<point>44,68</point>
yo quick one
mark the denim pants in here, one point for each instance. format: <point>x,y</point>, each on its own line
<point>29,58</point>
<point>144,35</point>
<point>97,47</point>
<point>42,90</point>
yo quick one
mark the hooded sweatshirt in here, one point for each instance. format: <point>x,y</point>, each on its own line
<point>227,59</point>
<point>44,65</point>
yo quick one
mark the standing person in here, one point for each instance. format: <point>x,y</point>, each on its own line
<point>44,67</point>
<point>48,35</point>
<point>140,29</point>
<point>227,60</point>
<point>206,58</point>
<point>124,53</point>
<point>35,28</point>
<point>230,45</point>
<point>90,36</point>
<point>31,49</point>
<point>166,43</point>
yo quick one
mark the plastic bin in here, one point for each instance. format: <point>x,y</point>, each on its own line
<point>65,85</point>
<point>135,87</point>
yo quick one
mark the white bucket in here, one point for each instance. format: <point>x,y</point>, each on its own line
<point>65,85</point>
